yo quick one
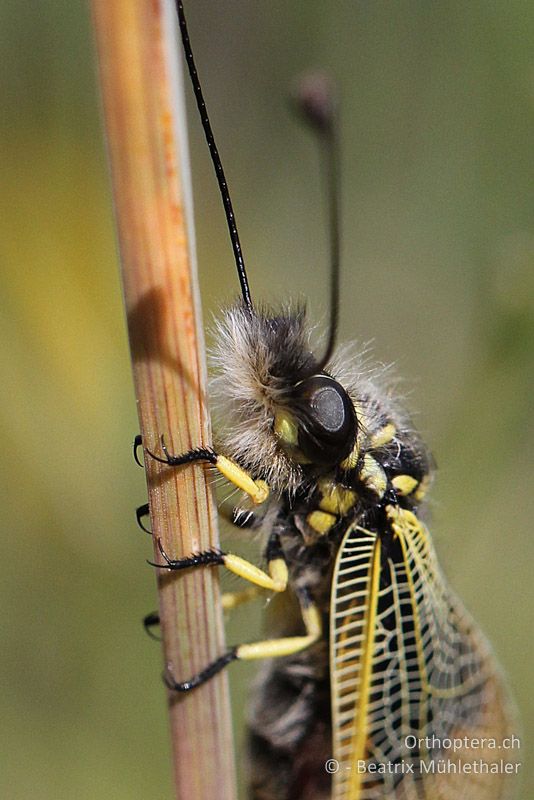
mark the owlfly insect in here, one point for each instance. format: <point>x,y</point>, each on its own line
<point>377,684</point>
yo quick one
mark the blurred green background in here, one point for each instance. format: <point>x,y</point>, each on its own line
<point>438,124</point>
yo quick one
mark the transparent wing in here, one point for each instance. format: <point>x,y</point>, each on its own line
<point>410,671</point>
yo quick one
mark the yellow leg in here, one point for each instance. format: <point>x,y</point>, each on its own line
<point>276,648</point>
<point>269,648</point>
<point>258,491</point>
<point>274,581</point>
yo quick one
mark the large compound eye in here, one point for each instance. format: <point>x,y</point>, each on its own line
<point>326,420</point>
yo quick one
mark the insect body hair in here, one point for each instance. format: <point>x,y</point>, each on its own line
<point>258,360</point>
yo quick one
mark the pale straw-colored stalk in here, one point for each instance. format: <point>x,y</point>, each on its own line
<point>142,91</point>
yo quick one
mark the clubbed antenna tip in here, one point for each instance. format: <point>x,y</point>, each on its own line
<point>314,97</point>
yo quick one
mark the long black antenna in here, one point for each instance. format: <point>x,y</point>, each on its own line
<point>219,172</point>
<point>315,100</point>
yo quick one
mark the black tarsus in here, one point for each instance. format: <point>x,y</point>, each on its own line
<point>141,512</point>
<point>215,157</point>
<point>138,441</point>
<point>149,622</point>
<point>315,100</point>
<point>202,676</point>
<point>196,454</point>
<point>206,558</point>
